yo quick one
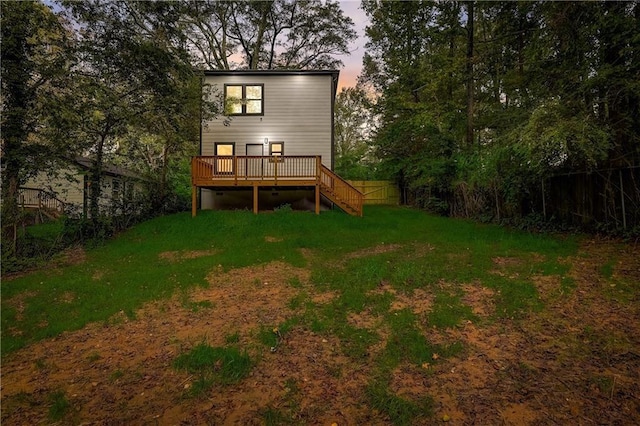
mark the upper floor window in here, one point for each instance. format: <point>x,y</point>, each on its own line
<point>244,99</point>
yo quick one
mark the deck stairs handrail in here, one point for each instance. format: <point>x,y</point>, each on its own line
<point>43,201</point>
<point>341,192</point>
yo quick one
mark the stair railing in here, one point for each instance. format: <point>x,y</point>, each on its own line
<point>341,191</point>
<point>39,198</point>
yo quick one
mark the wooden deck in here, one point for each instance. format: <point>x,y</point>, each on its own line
<point>44,203</point>
<point>259,171</point>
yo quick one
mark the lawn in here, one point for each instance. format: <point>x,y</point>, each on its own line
<point>399,317</point>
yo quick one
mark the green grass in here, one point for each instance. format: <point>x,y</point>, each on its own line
<point>49,231</point>
<point>448,311</point>
<point>400,411</point>
<point>408,343</point>
<point>232,338</point>
<point>59,406</point>
<point>276,417</point>
<point>213,365</point>
<point>400,251</point>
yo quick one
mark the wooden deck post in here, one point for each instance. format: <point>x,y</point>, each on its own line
<point>194,200</point>
<point>318,181</point>
<point>318,168</point>
<point>255,199</point>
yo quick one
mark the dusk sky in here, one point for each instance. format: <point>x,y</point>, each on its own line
<point>353,63</point>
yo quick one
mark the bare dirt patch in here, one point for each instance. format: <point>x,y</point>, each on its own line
<point>18,302</point>
<point>419,301</point>
<point>372,251</point>
<point>506,261</point>
<point>177,256</point>
<point>364,319</point>
<point>480,299</point>
<point>576,362</point>
<point>75,255</point>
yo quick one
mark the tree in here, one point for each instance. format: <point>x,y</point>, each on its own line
<point>354,124</point>
<point>34,61</point>
<point>469,72</point>
<point>133,71</point>
<point>414,61</point>
<point>480,101</point>
<point>275,34</point>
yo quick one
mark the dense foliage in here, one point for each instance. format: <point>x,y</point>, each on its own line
<point>354,118</point>
<point>482,103</point>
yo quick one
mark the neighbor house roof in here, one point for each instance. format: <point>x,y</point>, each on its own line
<point>109,169</point>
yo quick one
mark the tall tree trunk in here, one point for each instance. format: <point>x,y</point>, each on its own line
<point>18,97</point>
<point>265,8</point>
<point>470,30</point>
<point>95,180</point>
<point>162,190</point>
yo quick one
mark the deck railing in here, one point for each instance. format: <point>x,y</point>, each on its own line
<point>38,198</point>
<point>341,191</point>
<point>293,170</point>
<point>238,169</point>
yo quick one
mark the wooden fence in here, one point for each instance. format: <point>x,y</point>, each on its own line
<point>603,198</point>
<point>377,192</point>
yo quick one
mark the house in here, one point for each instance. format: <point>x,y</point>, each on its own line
<point>67,190</point>
<point>274,144</point>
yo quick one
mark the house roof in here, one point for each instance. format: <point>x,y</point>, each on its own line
<point>333,73</point>
<point>109,169</point>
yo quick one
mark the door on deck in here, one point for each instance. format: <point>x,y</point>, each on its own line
<point>227,150</point>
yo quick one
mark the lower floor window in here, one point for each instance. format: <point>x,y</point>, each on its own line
<point>276,150</point>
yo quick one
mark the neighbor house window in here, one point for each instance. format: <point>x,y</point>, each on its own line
<point>244,99</point>
<point>115,190</point>
<point>276,150</point>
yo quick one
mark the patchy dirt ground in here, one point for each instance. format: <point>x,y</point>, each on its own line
<point>576,362</point>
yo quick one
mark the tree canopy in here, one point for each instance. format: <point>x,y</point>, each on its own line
<point>272,34</point>
<point>480,102</point>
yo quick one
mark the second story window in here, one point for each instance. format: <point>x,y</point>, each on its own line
<point>244,99</point>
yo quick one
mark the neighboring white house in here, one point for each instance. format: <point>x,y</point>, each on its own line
<point>274,143</point>
<point>71,186</point>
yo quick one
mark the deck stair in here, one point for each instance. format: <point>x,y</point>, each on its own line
<point>341,192</point>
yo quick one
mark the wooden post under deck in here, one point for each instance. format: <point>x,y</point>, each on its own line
<point>255,199</point>
<point>318,174</point>
<point>194,191</point>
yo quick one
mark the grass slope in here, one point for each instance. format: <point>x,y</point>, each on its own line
<point>137,266</point>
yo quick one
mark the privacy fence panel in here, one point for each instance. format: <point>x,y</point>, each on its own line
<point>606,197</point>
<point>378,192</point>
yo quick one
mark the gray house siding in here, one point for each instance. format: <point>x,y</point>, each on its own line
<point>298,111</point>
